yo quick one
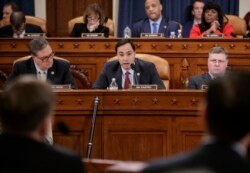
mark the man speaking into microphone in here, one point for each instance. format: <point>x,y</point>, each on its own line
<point>127,69</point>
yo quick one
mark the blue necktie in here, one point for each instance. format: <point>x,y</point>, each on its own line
<point>154,28</point>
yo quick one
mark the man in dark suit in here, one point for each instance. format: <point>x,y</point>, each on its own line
<point>43,65</point>
<point>18,26</point>
<point>155,22</point>
<point>224,147</point>
<point>197,8</point>
<point>143,72</point>
<point>217,65</point>
<point>26,111</point>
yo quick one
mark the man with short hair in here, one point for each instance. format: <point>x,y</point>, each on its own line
<point>18,26</point>
<point>8,9</point>
<point>121,70</point>
<point>197,8</point>
<point>44,65</point>
<point>155,22</point>
<point>26,111</point>
<point>217,65</point>
<point>226,120</point>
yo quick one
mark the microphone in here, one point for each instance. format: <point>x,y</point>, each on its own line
<point>132,66</point>
<point>91,135</point>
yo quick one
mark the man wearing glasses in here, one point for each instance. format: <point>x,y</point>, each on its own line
<point>43,64</point>
<point>18,26</point>
<point>217,65</point>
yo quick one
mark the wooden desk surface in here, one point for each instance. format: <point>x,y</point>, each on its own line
<point>185,56</point>
<point>130,125</point>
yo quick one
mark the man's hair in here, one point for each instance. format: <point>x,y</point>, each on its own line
<point>13,6</point>
<point>123,42</point>
<point>197,1</point>
<point>228,103</point>
<point>24,104</point>
<point>37,44</point>
<point>218,50</point>
<point>17,19</point>
<point>96,9</point>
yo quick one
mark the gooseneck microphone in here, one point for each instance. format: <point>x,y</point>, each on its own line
<point>132,66</point>
<point>91,135</point>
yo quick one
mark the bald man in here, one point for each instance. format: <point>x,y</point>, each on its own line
<point>155,22</point>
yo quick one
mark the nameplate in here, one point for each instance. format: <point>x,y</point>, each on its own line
<point>144,87</point>
<point>204,87</point>
<point>61,87</point>
<point>32,35</point>
<point>149,35</point>
<point>92,35</point>
<point>213,35</point>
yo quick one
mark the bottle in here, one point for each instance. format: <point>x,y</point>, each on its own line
<point>179,33</point>
<point>113,85</point>
<point>127,32</point>
<point>172,35</point>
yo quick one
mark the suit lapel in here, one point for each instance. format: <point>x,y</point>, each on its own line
<point>31,66</point>
<point>138,70</point>
<point>118,76</point>
<point>147,27</point>
<point>163,26</point>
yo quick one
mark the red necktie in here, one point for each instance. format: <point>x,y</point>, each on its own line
<point>127,81</point>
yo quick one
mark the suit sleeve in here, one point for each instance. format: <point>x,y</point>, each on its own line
<point>75,31</point>
<point>14,73</point>
<point>68,78</point>
<point>156,78</point>
<point>135,30</point>
<point>192,83</point>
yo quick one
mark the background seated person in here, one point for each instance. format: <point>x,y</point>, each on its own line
<point>8,9</point>
<point>197,8</point>
<point>43,65</point>
<point>26,111</point>
<point>18,26</point>
<point>118,69</point>
<point>155,22</point>
<point>93,22</point>
<point>247,19</point>
<point>217,65</point>
<point>212,22</point>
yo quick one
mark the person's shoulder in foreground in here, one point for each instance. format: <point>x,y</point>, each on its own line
<point>223,148</point>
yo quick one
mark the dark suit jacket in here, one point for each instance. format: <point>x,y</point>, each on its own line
<point>24,155</point>
<point>143,26</point>
<point>7,31</point>
<point>195,82</point>
<point>214,157</point>
<point>80,28</point>
<point>187,28</point>
<point>112,69</point>
<point>59,73</point>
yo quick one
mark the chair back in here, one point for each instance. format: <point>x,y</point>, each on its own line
<point>161,65</point>
<point>109,24</point>
<point>239,25</point>
<point>29,20</point>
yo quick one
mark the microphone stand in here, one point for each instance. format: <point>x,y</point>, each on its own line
<point>91,135</point>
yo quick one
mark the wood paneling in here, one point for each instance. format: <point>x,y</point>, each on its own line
<point>186,56</point>
<point>60,12</point>
<point>131,125</point>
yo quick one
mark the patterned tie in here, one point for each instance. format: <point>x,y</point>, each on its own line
<point>42,75</point>
<point>127,80</point>
<point>154,27</point>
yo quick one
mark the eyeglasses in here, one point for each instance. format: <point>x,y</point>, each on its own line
<point>46,58</point>
<point>215,61</point>
<point>92,17</point>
